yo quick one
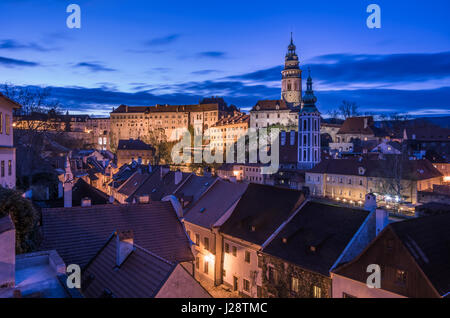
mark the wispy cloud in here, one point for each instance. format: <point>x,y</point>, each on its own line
<point>9,62</point>
<point>94,67</point>
<point>211,54</point>
<point>340,70</point>
<point>10,44</point>
<point>164,40</point>
<point>205,72</point>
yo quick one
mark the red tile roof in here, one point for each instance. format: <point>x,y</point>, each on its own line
<point>166,108</point>
<point>230,120</point>
<point>356,125</point>
<point>78,233</point>
<point>265,105</point>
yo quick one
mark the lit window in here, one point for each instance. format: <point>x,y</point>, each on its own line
<point>317,292</point>
<point>294,284</point>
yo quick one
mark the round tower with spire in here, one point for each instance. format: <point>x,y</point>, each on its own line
<point>291,82</point>
<point>308,129</point>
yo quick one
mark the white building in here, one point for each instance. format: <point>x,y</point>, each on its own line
<point>7,150</point>
<point>309,130</point>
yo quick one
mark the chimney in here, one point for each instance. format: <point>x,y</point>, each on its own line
<point>370,203</point>
<point>366,121</point>
<point>7,252</point>
<point>178,177</point>
<point>149,167</point>
<point>164,171</point>
<point>145,198</point>
<point>111,199</point>
<point>207,172</point>
<point>382,220</point>
<point>85,202</point>
<point>124,246</point>
<point>233,179</point>
<point>68,194</point>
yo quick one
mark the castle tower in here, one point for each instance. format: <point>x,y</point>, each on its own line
<point>291,83</point>
<point>308,130</point>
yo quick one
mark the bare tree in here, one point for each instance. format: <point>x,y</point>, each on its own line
<point>32,123</point>
<point>348,109</point>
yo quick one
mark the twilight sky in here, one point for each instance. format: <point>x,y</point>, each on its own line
<point>143,52</point>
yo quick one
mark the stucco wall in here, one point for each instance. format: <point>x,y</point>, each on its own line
<point>182,285</point>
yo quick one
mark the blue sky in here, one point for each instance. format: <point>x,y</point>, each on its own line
<point>147,52</point>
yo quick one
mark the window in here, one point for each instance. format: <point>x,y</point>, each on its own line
<point>9,167</point>
<point>247,257</point>
<point>206,266</point>
<point>197,239</point>
<point>400,276</point>
<point>246,285</point>
<point>3,168</point>
<point>259,291</point>
<point>206,243</point>
<point>197,262</point>
<point>272,275</point>
<point>234,250</point>
<point>224,273</point>
<point>227,248</point>
<point>294,284</point>
<point>235,283</point>
<point>317,292</point>
<point>7,124</point>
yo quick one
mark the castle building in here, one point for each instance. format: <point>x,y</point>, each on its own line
<point>308,130</point>
<point>283,112</point>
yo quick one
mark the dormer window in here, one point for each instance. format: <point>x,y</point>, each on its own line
<point>361,171</point>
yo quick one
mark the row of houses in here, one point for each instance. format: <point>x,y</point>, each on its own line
<point>239,239</point>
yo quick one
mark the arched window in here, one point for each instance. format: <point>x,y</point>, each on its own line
<point>289,86</point>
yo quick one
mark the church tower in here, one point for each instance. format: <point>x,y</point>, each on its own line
<point>308,130</point>
<point>291,83</point>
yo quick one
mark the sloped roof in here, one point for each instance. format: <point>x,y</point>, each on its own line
<point>133,144</point>
<point>133,183</point>
<point>411,169</point>
<point>166,108</point>
<point>157,187</point>
<point>329,228</point>
<point>355,125</point>
<point>265,105</point>
<point>230,120</point>
<point>428,133</point>
<point>214,203</point>
<point>141,275</point>
<point>428,241</point>
<point>260,211</point>
<point>78,233</point>
<point>194,187</point>
<point>8,101</point>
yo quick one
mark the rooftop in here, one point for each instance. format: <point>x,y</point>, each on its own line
<point>78,233</point>
<point>260,211</point>
<point>323,227</point>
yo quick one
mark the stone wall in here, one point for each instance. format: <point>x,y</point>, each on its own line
<point>284,271</point>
